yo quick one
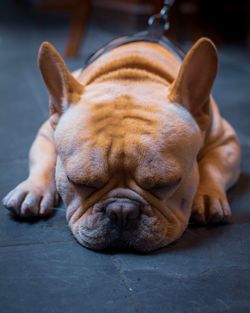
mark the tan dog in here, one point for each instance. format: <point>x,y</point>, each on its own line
<point>138,145</point>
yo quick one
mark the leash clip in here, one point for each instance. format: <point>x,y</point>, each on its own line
<point>159,23</point>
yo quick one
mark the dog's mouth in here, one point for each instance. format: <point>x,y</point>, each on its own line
<point>99,233</point>
<point>124,219</point>
<point>150,232</point>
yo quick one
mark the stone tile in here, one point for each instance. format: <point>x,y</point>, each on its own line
<point>239,194</point>
<point>232,99</point>
<point>213,291</point>
<point>207,270</point>
<point>21,114</point>
<point>60,277</point>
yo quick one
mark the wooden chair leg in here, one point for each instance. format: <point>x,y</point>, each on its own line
<point>78,23</point>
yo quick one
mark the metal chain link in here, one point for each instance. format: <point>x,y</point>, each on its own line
<point>159,23</point>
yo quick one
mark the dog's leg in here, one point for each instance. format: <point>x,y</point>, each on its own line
<point>37,194</point>
<point>219,169</point>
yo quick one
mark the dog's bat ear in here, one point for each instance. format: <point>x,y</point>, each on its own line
<point>64,90</point>
<point>194,82</point>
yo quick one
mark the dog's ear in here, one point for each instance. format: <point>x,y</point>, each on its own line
<point>64,90</point>
<point>194,82</point>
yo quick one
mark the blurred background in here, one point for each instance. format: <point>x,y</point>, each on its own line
<point>224,21</point>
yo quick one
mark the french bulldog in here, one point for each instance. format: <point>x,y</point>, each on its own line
<point>135,146</point>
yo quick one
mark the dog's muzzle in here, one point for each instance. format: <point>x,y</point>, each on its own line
<point>122,207</point>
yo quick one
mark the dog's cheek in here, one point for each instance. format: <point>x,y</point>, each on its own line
<point>72,199</point>
<point>63,186</point>
<point>182,200</point>
<point>190,187</point>
<point>177,208</point>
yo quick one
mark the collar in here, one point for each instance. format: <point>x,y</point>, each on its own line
<point>148,36</point>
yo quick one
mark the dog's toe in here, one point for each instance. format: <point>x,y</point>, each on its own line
<point>14,199</point>
<point>28,200</point>
<point>47,204</point>
<point>30,205</point>
<point>210,209</point>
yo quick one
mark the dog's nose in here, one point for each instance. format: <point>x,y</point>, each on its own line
<point>123,211</point>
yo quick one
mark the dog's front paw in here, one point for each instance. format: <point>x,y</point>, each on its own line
<point>31,198</point>
<point>210,207</point>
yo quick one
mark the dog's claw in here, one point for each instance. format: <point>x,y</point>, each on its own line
<point>210,208</point>
<point>29,199</point>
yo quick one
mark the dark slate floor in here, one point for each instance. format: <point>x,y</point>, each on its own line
<point>43,269</point>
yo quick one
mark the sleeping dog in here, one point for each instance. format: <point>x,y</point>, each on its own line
<point>135,146</point>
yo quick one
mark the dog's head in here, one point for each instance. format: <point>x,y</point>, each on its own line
<point>127,150</point>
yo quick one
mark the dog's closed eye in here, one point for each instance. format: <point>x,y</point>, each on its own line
<point>161,188</point>
<point>86,185</point>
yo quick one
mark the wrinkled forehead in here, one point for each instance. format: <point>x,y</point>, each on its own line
<point>125,135</point>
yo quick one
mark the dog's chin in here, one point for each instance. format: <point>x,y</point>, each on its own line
<point>97,232</point>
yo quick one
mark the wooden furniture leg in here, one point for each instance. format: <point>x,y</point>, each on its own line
<point>78,10</point>
<point>78,24</point>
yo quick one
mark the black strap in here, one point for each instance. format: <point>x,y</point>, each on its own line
<point>147,36</point>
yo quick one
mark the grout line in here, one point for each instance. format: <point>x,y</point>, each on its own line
<point>124,280</point>
<point>32,243</point>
